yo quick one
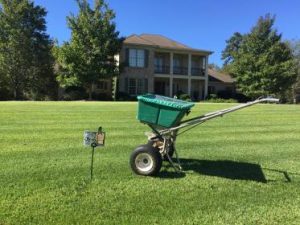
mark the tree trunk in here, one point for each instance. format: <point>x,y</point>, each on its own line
<point>17,94</point>
<point>90,89</point>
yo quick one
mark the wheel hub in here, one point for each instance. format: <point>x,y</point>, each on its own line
<point>144,162</point>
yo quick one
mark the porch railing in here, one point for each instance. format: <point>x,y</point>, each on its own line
<point>197,71</point>
<point>163,69</point>
<point>180,70</point>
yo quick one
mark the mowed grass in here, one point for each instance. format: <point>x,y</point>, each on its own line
<point>243,168</point>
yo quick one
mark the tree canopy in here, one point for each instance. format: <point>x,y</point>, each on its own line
<point>295,47</point>
<point>90,54</point>
<point>26,62</point>
<point>261,63</point>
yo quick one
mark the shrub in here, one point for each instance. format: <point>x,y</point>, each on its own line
<point>241,97</point>
<point>226,94</point>
<point>74,93</point>
<point>221,100</point>
<point>101,96</point>
<point>222,96</point>
<point>5,94</point>
<point>123,96</point>
<point>185,97</point>
<point>212,96</point>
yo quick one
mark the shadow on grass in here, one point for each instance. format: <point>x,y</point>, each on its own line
<point>171,174</point>
<point>222,168</point>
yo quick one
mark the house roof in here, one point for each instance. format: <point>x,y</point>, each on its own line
<point>160,41</point>
<point>226,78</point>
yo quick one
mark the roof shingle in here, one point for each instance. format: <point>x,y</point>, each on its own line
<point>160,42</point>
<point>226,78</point>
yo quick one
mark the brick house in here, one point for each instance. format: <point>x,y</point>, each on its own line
<point>156,64</point>
<point>220,82</point>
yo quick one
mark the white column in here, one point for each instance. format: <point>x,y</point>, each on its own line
<point>189,73</point>
<point>189,86</point>
<point>190,65</point>
<point>206,78</point>
<point>171,63</point>
<point>171,86</point>
<point>171,75</point>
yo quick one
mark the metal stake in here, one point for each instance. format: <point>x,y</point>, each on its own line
<point>92,160</point>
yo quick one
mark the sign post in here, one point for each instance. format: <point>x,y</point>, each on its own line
<point>93,139</point>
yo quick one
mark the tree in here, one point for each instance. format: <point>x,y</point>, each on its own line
<point>261,63</point>
<point>26,63</point>
<point>295,47</point>
<point>214,66</point>
<point>232,47</point>
<point>90,54</point>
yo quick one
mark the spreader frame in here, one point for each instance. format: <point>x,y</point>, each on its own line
<point>163,139</point>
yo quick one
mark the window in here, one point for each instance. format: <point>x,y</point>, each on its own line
<point>102,85</point>
<point>158,62</point>
<point>137,86</point>
<point>176,62</point>
<point>132,87</point>
<point>136,58</point>
<point>211,90</point>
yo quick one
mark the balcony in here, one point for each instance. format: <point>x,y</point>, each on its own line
<point>197,71</point>
<point>179,64</point>
<point>162,69</point>
<point>162,63</point>
<point>180,70</point>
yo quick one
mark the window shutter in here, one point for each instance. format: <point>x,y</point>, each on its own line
<point>126,85</point>
<point>146,85</point>
<point>146,58</point>
<point>127,57</point>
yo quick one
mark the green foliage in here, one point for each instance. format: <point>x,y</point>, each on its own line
<point>213,98</point>
<point>89,56</point>
<point>295,47</point>
<point>184,97</point>
<point>236,167</point>
<point>261,63</point>
<point>214,66</point>
<point>26,63</point>
<point>221,100</point>
<point>232,47</point>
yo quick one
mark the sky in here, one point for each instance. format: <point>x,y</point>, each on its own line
<point>202,24</point>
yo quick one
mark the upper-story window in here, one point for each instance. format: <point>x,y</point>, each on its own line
<point>136,58</point>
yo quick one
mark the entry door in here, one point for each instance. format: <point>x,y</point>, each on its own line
<point>160,87</point>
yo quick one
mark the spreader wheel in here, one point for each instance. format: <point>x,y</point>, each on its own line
<point>145,160</point>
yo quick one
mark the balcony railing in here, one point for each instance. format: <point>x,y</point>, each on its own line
<point>162,69</point>
<point>180,70</point>
<point>196,71</point>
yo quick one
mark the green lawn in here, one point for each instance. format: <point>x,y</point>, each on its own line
<point>243,168</point>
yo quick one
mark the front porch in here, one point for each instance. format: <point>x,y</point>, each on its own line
<point>167,86</point>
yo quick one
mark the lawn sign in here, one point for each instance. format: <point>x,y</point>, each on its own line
<point>93,140</point>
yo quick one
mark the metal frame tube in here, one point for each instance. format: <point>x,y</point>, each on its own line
<point>209,116</point>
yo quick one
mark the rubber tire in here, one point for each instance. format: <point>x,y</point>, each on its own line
<point>153,153</point>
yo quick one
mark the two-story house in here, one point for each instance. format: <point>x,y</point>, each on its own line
<point>156,64</point>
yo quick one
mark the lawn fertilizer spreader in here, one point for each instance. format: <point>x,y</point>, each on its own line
<point>164,116</point>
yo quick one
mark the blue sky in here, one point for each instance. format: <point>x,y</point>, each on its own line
<point>204,24</point>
